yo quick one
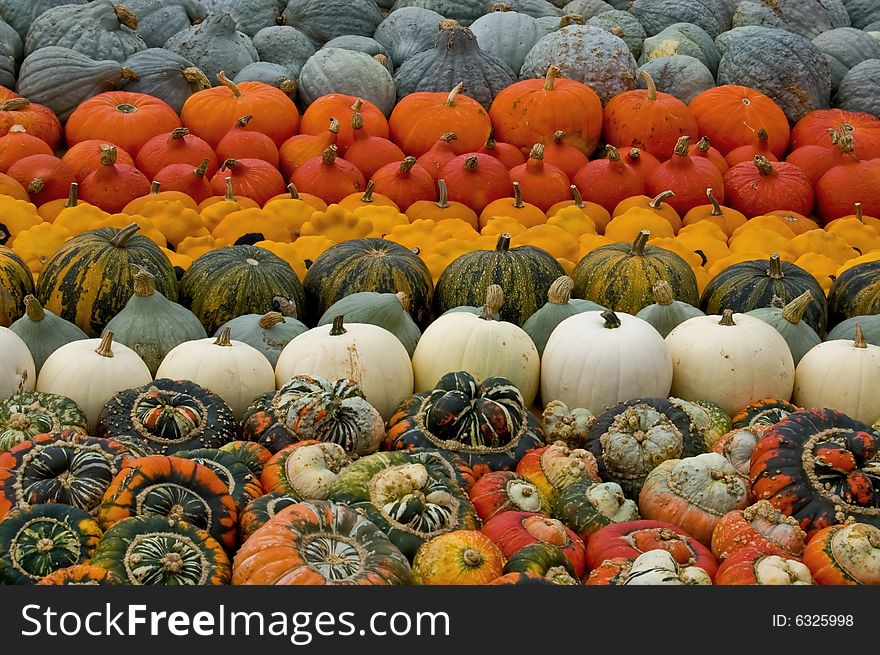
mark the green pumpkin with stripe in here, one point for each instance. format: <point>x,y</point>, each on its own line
<point>16,282</point>
<point>621,276</point>
<point>27,414</point>
<point>243,485</point>
<point>539,558</point>
<point>90,278</point>
<point>855,292</point>
<point>525,273</point>
<point>587,506</point>
<point>258,512</point>
<point>368,265</point>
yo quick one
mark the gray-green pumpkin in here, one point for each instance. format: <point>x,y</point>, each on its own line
<point>666,313</point>
<point>99,29</point>
<point>680,75</point>
<point>62,79</point>
<point>251,16</point>
<point>656,15</point>
<point>365,44</point>
<point>783,65</point>
<point>272,74</point>
<point>786,319</point>
<point>845,48</point>
<point>587,54</point>
<point>862,13</point>
<point>408,31</point>
<point>165,75</point>
<point>43,331</point>
<point>847,329</point>
<point>11,52</point>
<point>559,306</point>
<point>533,8</point>
<point>152,325</point>
<point>215,45</point>
<point>285,46</point>
<point>463,11</point>
<point>19,14</point>
<point>587,8</point>
<point>268,333</point>
<point>455,58</point>
<point>809,18</point>
<point>322,20</point>
<point>860,89</point>
<point>387,310</point>
<point>621,24</point>
<point>159,20</point>
<point>26,414</point>
<point>723,40</point>
<point>682,39</point>
<point>336,70</point>
<point>507,34</point>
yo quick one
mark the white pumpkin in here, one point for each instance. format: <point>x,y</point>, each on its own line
<point>233,370</point>
<point>658,567</point>
<point>91,371</point>
<point>368,354</point>
<point>595,360</point>
<point>481,345</point>
<point>17,370</point>
<point>842,375</point>
<point>731,360</point>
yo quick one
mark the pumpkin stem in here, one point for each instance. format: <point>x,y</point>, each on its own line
<point>285,306</point>
<point>662,292</point>
<point>612,153</point>
<point>224,338</point>
<point>357,121</point>
<point>337,328</point>
<point>537,152</point>
<point>155,187</point>
<point>229,84</point>
<point>108,155</point>
<point>178,133</point>
<point>36,185</point>
<point>334,126</point>
<point>502,6</point>
<point>470,164</point>
<point>450,99</point>
<point>727,318</point>
<point>124,234</point>
<point>659,198</point>
<point>230,195</point>
<point>550,78</point>
<point>682,146</point>
<point>403,299</point>
<point>716,208</point>
<point>329,155</point>
<point>794,311</point>
<point>763,165</point>
<point>126,108</point>
<point>244,120</point>
<point>442,195</point>
<point>358,103</point>
<point>449,137</point>
<point>572,19</point>
<point>128,74</point>
<point>407,164</point>
<point>18,129</point>
<point>368,193</point>
<point>448,24</point>
<point>105,348</point>
<point>292,190</point>
<point>558,137</point>
<point>762,135</point>
<point>634,154</point>
<point>576,196</point>
<point>843,140</point>
<point>144,283</point>
<point>73,195</point>
<point>775,269</point>
<point>196,78</point>
<point>612,320</point>
<point>860,341</point>
<point>472,557</point>
<point>14,104</point>
<point>652,87</point>
<point>859,212</point>
<point>494,302</point>
<point>126,17</point>
<point>382,59</point>
<point>638,246</point>
<point>202,168</point>
<point>517,196</point>
<point>503,244</point>
<point>560,291</point>
<point>33,309</point>
<point>269,319</point>
<point>704,144</point>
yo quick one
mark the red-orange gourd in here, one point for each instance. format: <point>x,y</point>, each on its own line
<point>847,183</point>
<point>761,186</point>
<point>565,157</point>
<point>251,178</point>
<point>748,152</point>
<point>341,107</point>
<point>641,161</point>
<point>476,180</point>
<point>370,153</point>
<point>178,146</point>
<point>816,128</point>
<point>242,142</point>
<point>704,148</point>
<point>439,155</point>
<point>38,120</point>
<point>542,183</point>
<point>507,153</point>
<point>17,144</point>
<point>85,157</point>
<point>405,182</point>
<point>44,177</point>
<point>329,177</point>
<point>194,182</point>
<point>608,181</point>
<point>815,160</point>
<point>298,149</point>
<point>113,185</point>
<point>687,177</point>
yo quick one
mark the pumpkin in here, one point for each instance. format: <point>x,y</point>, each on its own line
<point>370,153</point>
<point>844,555</point>
<point>570,426</point>
<point>85,157</point>
<point>404,182</point>
<point>17,365</point>
<point>505,491</point>
<point>687,176</point>
<point>681,39</point>
<point>753,566</point>
<point>341,107</point>
<point>39,121</point>
<point>387,310</point>
<point>201,43</point>
<point>703,148</point>
<point>253,455</point>
<point>165,416</point>
<point>306,469</point>
<point>17,144</point>
<point>165,75</point>
<point>744,358</point>
<point>319,542</point>
<point>463,557</point>
<point>710,420</point>
<point>155,550</point>
<point>253,178</point>
<point>666,313</point>
<point>476,180</point>
<point>760,526</point>
<point>268,333</point>
<point>609,181</point>
<point>523,213</point>
<point>544,183</point>
<point>39,539</point>
<point>17,280</point>
<point>112,185</point>
<point>406,31</point>
<point>586,507</point>
<point>737,447</point>
<point>846,183</point>
<point>178,146</point>
<point>79,574</point>
<point>340,70</point>
<point>507,153</point>
<point>45,177</point>
<point>760,187</point>
<point>559,306</point>
<point>564,156</point>
<point>763,413</point>
<point>44,332</point>
<point>512,531</point>
<point>507,34</point>
<point>681,76</point>
<point>242,484</point>
<point>847,329</point>
<point>813,129</point>
<point>26,414</point>
<point>854,293</point>
<point>156,24</point>
<point>259,511</point>
<point>438,155</point>
<point>554,468</point>
<point>799,336</point>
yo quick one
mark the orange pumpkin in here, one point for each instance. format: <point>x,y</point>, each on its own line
<point>243,142</point>
<point>847,183</point>
<point>193,182</point>
<point>442,209</point>
<point>641,161</point>
<point>758,187</point>
<point>17,144</point>
<point>112,185</point>
<point>703,148</point>
<point>476,180</point>
<point>687,176</point>
<point>815,160</point>
<point>252,178</point>
<point>370,153</point>
<point>507,153</point>
<point>760,526</point>
<point>748,152</point>
<point>594,211</point>
<point>845,555</point>
<point>818,127</point>
<point>608,181</point>
<point>328,176</point>
<point>405,182</point>
<point>565,157</point>
<point>544,184</point>
<point>438,155</point>
<point>726,218</point>
<point>38,120</point>
<point>341,107</point>
<point>11,187</point>
<point>524,213</point>
<point>44,177</point>
<point>85,157</point>
<point>175,147</point>
<point>300,148</point>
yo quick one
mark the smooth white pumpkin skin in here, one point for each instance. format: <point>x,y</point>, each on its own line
<point>838,375</point>
<point>463,341</point>
<point>237,373</point>
<point>368,354</point>
<point>730,365</point>
<point>76,371</point>
<point>17,370</point>
<point>588,365</point>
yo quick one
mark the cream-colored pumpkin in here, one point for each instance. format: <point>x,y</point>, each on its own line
<point>776,570</point>
<point>91,371</point>
<point>481,345</point>
<point>842,375</point>
<point>17,370</point>
<point>233,370</point>
<point>595,360</point>
<point>731,360</point>
<point>368,354</point>
<point>658,567</point>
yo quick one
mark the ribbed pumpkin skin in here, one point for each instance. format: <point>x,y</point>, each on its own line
<point>74,281</point>
<point>855,292</point>
<point>368,265</point>
<point>464,557</point>
<point>16,277</point>
<point>747,285</point>
<point>45,413</point>
<point>236,280</point>
<point>80,574</point>
<point>258,512</point>
<point>243,485</point>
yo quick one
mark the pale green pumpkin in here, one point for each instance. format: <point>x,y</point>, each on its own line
<point>387,310</point>
<point>666,312</point>
<point>847,329</point>
<point>268,333</point>
<point>797,333</point>
<point>559,306</point>
<point>43,331</point>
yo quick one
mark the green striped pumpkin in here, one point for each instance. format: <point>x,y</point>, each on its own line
<point>260,510</point>
<point>28,413</point>
<point>17,282</point>
<point>242,484</point>
<point>228,282</point>
<point>621,276</point>
<point>538,558</point>
<point>368,265</point>
<point>525,273</point>
<point>90,278</point>
<point>587,506</point>
<point>855,292</point>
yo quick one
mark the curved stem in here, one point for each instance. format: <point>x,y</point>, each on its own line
<point>660,198</point>
<point>641,240</point>
<point>270,319</point>
<point>105,348</point>
<point>442,194</point>
<point>453,94</point>
<point>612,320</point>
<point>33,309</point>
<point>229,84</point>
<point>662,292</point>
<point>794,311</point>
<point>550,78</point>
<point>652,88</point>
<point>716,208</point>
<point>560,291</point>
<point>124,234</point>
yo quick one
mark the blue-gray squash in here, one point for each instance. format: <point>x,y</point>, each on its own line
<point>166,75</point>
<point>507,34</point>
<point>587,8</point>
<point>862,13</point>
<point>99,29</point>
<point>152,325</point>
<point>62,79</point>
<point>847,329</point>
<point>844,48</point>
<point>251,16</point>
<point>656,15</point>
<point>335,70</point>
<point>783,65</point>
<point>159,20</point>
<point>726,38</point>
<point>387,310</point>
<point>463,11</point>
<point>285,46</point>
<point>559,306</point>
<point>11,53</point>
<point>621,24</point>
<point>533,8</point>
<point>268,333</point>
<point>408,31</point>
<point>455,58</point>
<point>215,45</point>
<point>268,73</point>
<point>365,44</point>
<point>860,89</point>
<point>786,319</point>
<point>680,76</point>
<point>322,20</point>
<point>809,18</point>
<point>587,54</point>
<point>682,39</point>
<point>43,331</point>
<point>19,14</point>
<point>666,313</point>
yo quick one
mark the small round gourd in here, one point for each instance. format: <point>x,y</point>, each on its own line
<point>17,370</point>
<point>463,557</point>
<point>667,313</point>
<point>43,331</point>
<point>387,310</point>
<point>268,333</point>
<point>798,334</point>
